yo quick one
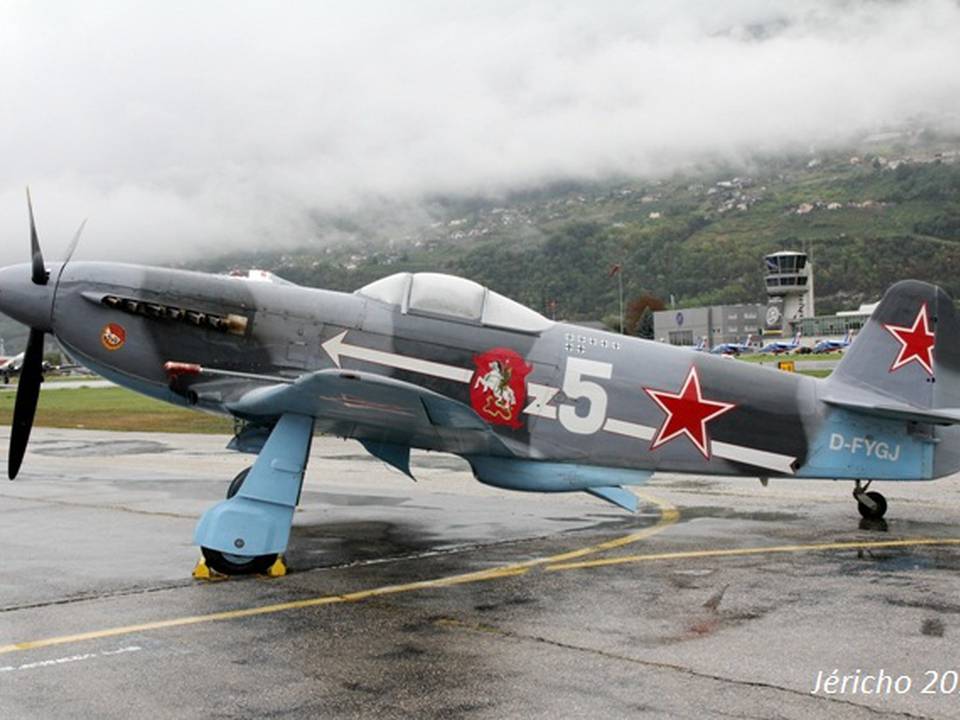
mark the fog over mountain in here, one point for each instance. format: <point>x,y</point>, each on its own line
<point>183,128</point>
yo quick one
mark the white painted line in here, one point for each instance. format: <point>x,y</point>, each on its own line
<point>629,429</point>
<point>752,456</point>
<point>738,453</point>
<point>67,659</point>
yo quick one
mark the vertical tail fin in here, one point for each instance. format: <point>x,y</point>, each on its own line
<point>909,350</point>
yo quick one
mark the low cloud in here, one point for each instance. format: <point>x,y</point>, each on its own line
<point>183,128</point>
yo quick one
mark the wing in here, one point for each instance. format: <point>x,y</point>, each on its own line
<point>373,408</point>
<point>389,416</point>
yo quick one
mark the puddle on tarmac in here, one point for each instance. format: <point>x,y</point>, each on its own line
<point>329,544</point>
<point>724,513</point>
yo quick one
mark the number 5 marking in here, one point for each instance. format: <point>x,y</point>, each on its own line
<point>575,387</point>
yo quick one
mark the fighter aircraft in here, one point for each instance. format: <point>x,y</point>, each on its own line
<point>827,346</point>
<point>433,361</point>
<point>732,348</point>
<point>778,347</point>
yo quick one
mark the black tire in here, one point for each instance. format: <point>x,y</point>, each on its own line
<point>235,564</point>
<point>237,482</point>
<point>871,514</point>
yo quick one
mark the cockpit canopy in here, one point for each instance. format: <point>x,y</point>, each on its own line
<point>448,296</point>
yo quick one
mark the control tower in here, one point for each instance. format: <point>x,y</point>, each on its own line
<point>789,283</point>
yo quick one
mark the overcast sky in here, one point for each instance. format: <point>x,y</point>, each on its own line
<point>181,128</point>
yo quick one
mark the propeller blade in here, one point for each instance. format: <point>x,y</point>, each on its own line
<point>28,391</point>
<point>72,249</point>
<point>40,274</point>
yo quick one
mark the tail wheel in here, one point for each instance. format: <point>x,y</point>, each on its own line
<point>227,564</point>
<point>874,513</point>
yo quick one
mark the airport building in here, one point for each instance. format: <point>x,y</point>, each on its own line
<point>789,308</point>
<point>789,283</point>
<point>836,325</point>
<point>716,323</point>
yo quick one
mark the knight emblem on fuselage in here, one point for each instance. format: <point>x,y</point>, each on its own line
<point>498,389</point>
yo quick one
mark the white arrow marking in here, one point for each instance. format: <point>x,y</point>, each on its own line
<point>336,348</point>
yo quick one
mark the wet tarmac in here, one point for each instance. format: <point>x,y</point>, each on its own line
<point>447,599</point>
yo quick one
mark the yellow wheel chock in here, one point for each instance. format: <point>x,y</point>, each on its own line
<point>202,572</point>
<point>278,569</point>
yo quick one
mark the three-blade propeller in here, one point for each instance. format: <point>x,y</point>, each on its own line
<point>31,371</point>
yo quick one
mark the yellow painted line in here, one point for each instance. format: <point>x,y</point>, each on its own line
<point>668,516</point>
<point>263,609</point>
<point>732,552</point>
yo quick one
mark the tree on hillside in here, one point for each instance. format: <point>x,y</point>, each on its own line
<point>639,315</point>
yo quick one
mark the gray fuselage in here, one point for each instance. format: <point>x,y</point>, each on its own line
<point>590,395</point>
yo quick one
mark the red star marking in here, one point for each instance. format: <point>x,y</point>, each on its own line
<point>916,342</point>
<point>687,413</point>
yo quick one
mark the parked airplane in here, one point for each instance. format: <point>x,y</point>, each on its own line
<point>733,348</point>
<point>10,367</point>
<point>441,363</point>
<point>826,346</point>
<point>778,347</point>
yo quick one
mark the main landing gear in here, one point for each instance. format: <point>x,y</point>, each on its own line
<point>872,505</point>
<point>228,563</point>
<point>246,533</point>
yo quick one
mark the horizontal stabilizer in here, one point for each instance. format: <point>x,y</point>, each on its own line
<point>885,408</point>
<point>616,495</point>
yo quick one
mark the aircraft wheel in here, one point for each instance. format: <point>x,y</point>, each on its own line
<point>871,513</point>
<point>237,482</point>
<point>227,564</point>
